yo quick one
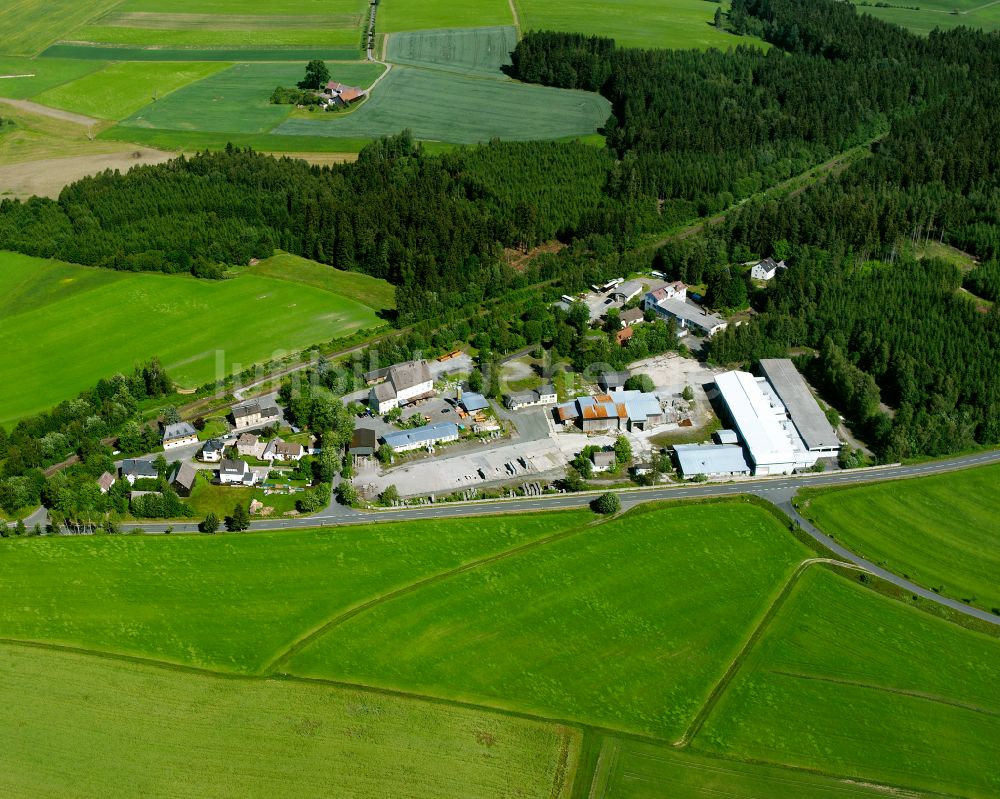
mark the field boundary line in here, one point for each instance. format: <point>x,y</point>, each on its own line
<point>517,17</point>
<point>282,658</point>
<point>720,687</point>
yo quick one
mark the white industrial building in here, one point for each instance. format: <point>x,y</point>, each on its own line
<point>803,411</point>
<point>712,460</point>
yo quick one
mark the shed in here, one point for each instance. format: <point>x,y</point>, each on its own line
<point>472,402</point>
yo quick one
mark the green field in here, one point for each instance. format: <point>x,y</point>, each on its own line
<point>87,323</point>
<point>923,17</point>
<point>261,32</point>
<point>848,682</point>
<point>941,531</point>
<point>121,89</point>
<point>622,625</point>
<point>29,26</point>
<point>475,51</point>
<point>231,603</point>
<point>76,725</point>
<point>86,52</point>
<point>677,24</point>
<point>45,73</point>
<point>367,290</point>
<point>237,100</point>
<point>411,15</point>
<point>444,106</point>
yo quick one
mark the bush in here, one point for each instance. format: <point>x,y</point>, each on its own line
<point>606,504</point>
<point>210,523</point>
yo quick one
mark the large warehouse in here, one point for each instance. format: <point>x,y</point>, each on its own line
<point>810,422</point>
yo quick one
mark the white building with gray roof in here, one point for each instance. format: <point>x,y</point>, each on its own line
<point>810,422</point>
<point>404,383</point>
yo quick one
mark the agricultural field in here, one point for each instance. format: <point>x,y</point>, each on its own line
<point>82,51</point>
<point>939,531</point>
<point>476,110</point>
<point>27,77</point>
<point>121,89</point>
<point>680,24</point>
<point>412,15</point>
<point>367,290</point>
<point>473,51</point>
<point>126,728</point>
<point>88,327</point>
<point>232,603</point>
<point>622,625</point>
<point>29,136</point>
<point>238,99</point>
<point>848,682</point>
<point>923,17</point>
<point>29,26</point>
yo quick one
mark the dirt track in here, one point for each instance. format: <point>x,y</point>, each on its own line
<point>55,113</point>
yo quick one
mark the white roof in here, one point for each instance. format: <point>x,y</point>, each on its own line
<point>755,419</point>
<point>711,459</point>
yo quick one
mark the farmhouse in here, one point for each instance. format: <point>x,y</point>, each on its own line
<point>235,473</point>
<point>671,302</point>
<point>338,94</point>
<point>422,437</point>
<point>711,460</point>
<point>545,395</point>
<point>278,450</point>
<point>179,435</point>
<point>133,470</point>
<point>255,413</point>
<point>249,446</point>
<point>619,410</point>
<point>804,412</point>
<point>766,269</point>
<point>363,443</point>
<point>105,481</point>
<point>182,479</point>
<point>211,451</point>
<point>404,383</point>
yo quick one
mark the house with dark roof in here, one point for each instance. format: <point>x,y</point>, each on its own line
<point>235,473</point>
<point>182,479</point>
<point>211,450</point>
<point>612,381</point>
<point>766,269</point>
<point>363,443</point>
<point>404,383</point>
<point>179,435</point>
<point>133,470</point>
<point>255,413</point>
<point>543,395</point>
<point>278,450</point>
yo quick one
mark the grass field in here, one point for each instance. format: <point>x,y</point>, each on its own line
<point>234,602</point>
<point>35,136</point>
<point>923,17</point>
<point>120,89</point>
<point>82,325</point>
<point>630,769</point>
<point>848,682</point>
<point>40,74</point>
<point>677,24</point>
<point>261,32</point>
<point>411,15</point>
<point>941,531</point>
<point>622,625</point>
<point>125,729</point>
<point>29,26</point>
<point>444,106</point>
<point>475,51</point>
<point>85,52</point>
<point>237,100</point>
<point>367,290</point>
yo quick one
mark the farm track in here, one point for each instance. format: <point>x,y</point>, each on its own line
<point>55,113</point>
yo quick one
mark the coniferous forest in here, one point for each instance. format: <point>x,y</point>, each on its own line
<point>908,356</point>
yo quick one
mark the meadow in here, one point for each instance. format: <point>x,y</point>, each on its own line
<point>474,51</point>
<point>849,682</point>
<point>444,106</point>
<point>232,603</point>
<point>39,74</point>
<point>82,51</point>
<point>410,15</point>
<point>238,99</point>
<point>82,324</point>
<point>363,288</point>
<point>924,16</point>
<point>940,531</point>
<point>118,90</point>
<point>36,136</point>
<point>622,625</point>
<point>680,24</point>
<point>29,26</point>
<point>76,725</point>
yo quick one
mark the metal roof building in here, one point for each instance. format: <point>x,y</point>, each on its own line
<point>758,423</point>
<point>711,460</point>
<point>473,402</point>
<point>425,436</point>
<point>791,388</point>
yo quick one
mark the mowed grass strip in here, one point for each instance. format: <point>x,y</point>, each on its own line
<point>849,682</point>
<point>134,730</point>
<point>627,624</point>
<point>27,77</point>
<point>231,602</point>
<point>29,26</point>
<point>942,532</point>
<point>84,51</point>
<point>121,89</point>
<point>371,291</point>
<point>673,24</point>
<point>237,100</point>
<point>64,326</point>
<point>473,51</point>
<point>630,769</point>
<point>411,15</point>
<point>256,36</point>
<point>447,107</point>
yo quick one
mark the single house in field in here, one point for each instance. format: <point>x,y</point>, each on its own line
<point>766,269</point>
<point>404,383</point>
<point>543,395</point>
<point>278,450</point>
<point>255,413</point>
<point>182,479</point>
<point>603,460</point>
<point>105,481</point>
<point>211,451</point>
<point>249,446</point>
<point>235,473</point>
<point>179,435</point>
<point>363,444</point>
<point>338,94</point>
<point>632,316</point>
<point>612,381</point>
<point>422,437</point>
<point>133,470</point>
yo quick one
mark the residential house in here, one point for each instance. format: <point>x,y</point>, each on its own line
<point>179,435</point>
<point>405,383</point>
<point>211,451</point>
<point>363,444</point>
<point>278,450</point>
<point>105,481</point>
<point>182,479</point>
<point>236,472</point>
<point>255,413</point>
<point>766,269</point>
<point>544,395</point>
<point>422,437</point>
<point>249,446</point>
<point>623,336</point>
<point>338,94</point>
<point>632,316</point>
<point>612,381</point>
<point>603,460</point>
<point>133,470</point>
